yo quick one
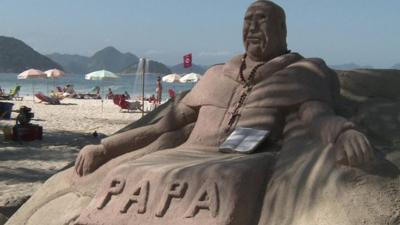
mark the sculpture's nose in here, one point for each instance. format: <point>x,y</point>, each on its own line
<point>253,25</point>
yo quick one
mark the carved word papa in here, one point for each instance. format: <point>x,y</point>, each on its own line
<point>207,197</point>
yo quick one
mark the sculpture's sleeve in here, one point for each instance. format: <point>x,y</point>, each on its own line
<point>178,117</point>
<point>322,121</point>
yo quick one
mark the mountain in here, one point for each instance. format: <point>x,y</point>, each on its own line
<point>195,69</point>
<point>108,58</point>
<point>154,67</point>
<point>16,56</point>
<point>71,63</point>
<point>396,66</point>
<point>111,59</point>
<point>350,66</point>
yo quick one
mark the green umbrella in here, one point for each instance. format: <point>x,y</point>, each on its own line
<point>101,75</point>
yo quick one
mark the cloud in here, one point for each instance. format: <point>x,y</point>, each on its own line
<point>215,54</point>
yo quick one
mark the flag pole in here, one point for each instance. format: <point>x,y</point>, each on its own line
<point>143,74</point>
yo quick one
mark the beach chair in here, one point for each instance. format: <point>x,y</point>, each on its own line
<point>94,93</point>
<point>120,100</point>
<point>13,95</point>
<point>50,100</point>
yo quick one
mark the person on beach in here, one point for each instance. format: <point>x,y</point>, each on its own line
<point>110,94</point>
<point>152,98</point>
<point>69,91</point>
<point>126,95</point>
<point>158,90</point>
<point>171,94</point>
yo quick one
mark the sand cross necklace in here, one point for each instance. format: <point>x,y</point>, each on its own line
<point>247,87</point>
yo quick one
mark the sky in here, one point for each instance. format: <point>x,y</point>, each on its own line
<point>365,32</point>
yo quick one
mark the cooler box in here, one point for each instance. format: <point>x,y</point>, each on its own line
<point>28,132</point>
<point>5,110</point>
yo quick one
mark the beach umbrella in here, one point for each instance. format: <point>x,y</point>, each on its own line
<point>190,78</point>
<point>101,75</point>
<point>54,73</point>
<point>171,78</point>
<point>32,74</point>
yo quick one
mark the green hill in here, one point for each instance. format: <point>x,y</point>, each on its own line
<point>108,58</point>
<point>16,56</point>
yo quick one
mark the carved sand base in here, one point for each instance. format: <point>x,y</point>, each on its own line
<point>182,187</point>
<point>190,187</point>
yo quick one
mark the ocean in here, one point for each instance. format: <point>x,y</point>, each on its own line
<point>130,83</point>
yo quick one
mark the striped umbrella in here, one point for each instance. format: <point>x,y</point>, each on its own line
<point>32,74</point>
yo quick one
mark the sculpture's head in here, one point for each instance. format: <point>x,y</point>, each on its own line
<point>264,31</point>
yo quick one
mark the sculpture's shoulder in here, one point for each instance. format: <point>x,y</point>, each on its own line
<point>315,66</point>
<point>215,87</point>
<point>315,70</point>
<point>298,81</point>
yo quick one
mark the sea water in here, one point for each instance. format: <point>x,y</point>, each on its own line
<point>131,83</point>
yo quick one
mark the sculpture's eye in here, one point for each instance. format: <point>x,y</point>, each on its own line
<point>248,18</point>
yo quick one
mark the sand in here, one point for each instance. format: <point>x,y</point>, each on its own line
<point>67,127</point>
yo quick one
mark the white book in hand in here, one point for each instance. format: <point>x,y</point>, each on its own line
<point>243,140</point>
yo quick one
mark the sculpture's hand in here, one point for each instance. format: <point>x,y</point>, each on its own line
<point>353,148</point>
<point>89,159</point>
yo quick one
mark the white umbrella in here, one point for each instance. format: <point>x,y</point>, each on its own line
<point>190,78</point>
<point>101,75</point>
<point>54,73</point>
<point>32,74</point>
<point>171,78</point>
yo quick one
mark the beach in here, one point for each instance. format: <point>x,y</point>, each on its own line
<point>66,129</point>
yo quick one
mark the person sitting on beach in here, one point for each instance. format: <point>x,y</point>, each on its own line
<point>171,94</point>
<point>110,94</point>
<point>94,93</point>
<point>126,95</point>
<point>152,98</point>
<point>97,93</point>
<point>69,91</point>
<point>48,99</point>
<point>56,94</point>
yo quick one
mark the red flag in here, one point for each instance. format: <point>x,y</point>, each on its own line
<point>187,60</point>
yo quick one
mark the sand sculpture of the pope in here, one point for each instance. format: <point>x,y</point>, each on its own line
<point>172,172</point>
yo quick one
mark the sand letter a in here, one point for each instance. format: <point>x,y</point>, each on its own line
<point>140,196</point>
<point>206,198</point>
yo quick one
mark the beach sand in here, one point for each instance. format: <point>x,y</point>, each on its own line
<point>67,127</point>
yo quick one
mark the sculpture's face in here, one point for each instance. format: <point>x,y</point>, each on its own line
<point>264,31</point>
